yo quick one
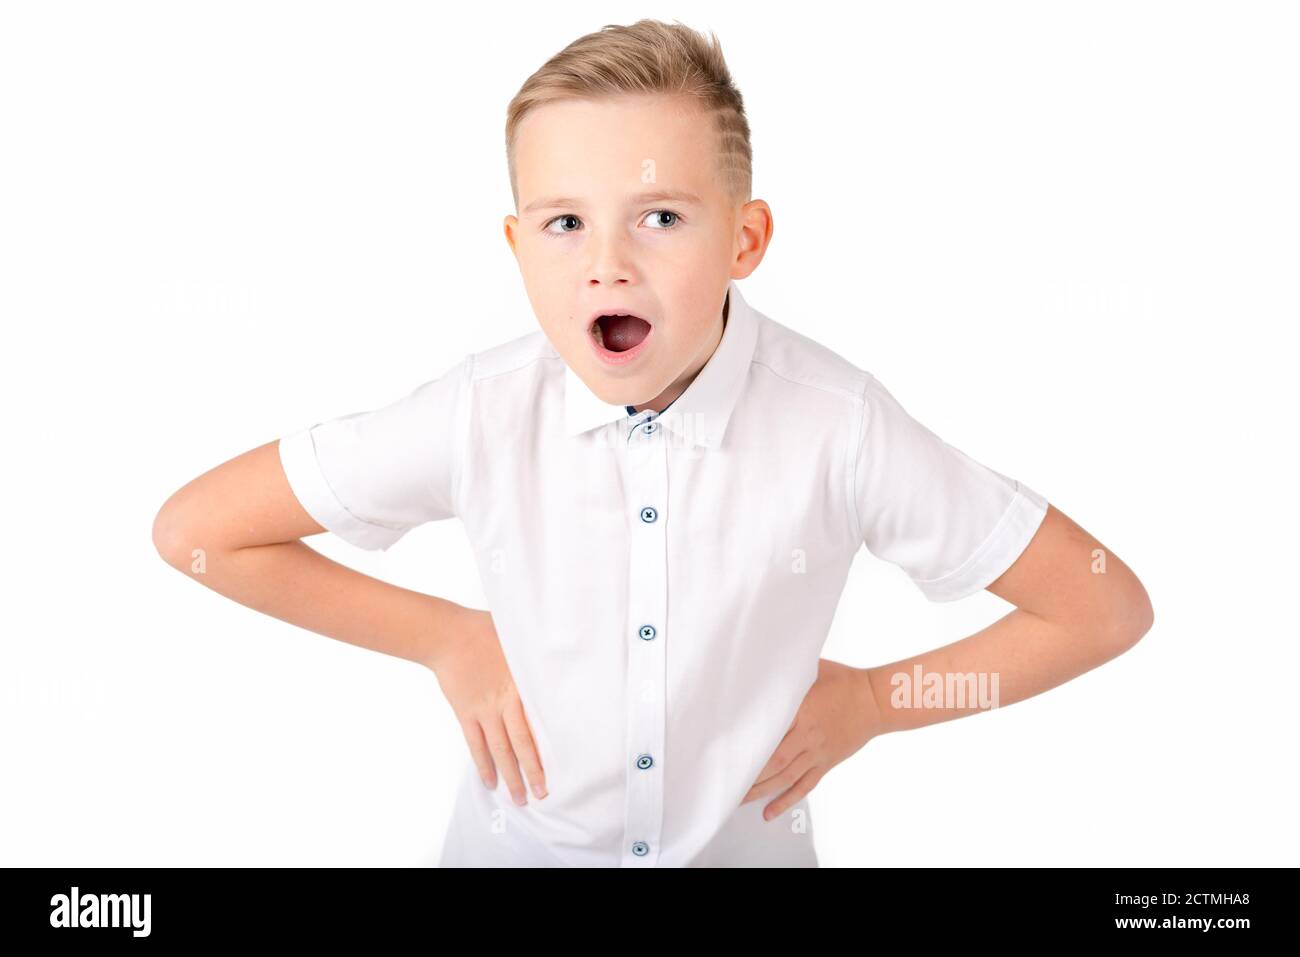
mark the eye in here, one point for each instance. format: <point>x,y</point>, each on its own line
<point>560,219</point>
<point>664,212</point>
<point>656,216</point>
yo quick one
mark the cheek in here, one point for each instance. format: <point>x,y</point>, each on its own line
<point>682,260</point>
<point>541,259</point>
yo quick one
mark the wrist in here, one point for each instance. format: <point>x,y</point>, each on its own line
<point>448,626</point>
<point>871,706</point>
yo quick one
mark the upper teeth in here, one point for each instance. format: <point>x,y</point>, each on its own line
<point>595,326</point>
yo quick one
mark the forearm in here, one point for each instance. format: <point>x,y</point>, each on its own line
<point>295,583</point>
<point>1016,657</point>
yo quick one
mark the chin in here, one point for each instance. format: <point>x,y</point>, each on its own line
<point>619,391</point>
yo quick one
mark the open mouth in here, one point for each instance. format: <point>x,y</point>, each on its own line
<point>619,333</point>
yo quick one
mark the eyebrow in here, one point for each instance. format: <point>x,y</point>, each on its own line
<point>654,196</point>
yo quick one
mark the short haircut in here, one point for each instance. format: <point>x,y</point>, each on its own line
<point>647,57</point>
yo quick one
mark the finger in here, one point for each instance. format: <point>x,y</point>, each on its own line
<point>504,757</point>
<point>806,783</point>
<point>521,739</point>
<point>788,775</point>
<point>790,747</point>
<point>478,750</point>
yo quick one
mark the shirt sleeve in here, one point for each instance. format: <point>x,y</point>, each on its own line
<point>952,524</point>
<point>370,477</point>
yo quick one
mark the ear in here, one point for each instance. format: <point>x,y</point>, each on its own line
<point>511,225</point>
<point>755,234</point>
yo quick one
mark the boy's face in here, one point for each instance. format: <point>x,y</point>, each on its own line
<point>622,210</point>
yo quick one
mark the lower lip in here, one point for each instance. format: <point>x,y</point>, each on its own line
<point>619,358</point>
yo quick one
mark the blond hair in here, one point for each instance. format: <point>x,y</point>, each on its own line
<point>650,57</point>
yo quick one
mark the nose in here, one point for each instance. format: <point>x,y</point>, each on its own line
<point>610,263</point>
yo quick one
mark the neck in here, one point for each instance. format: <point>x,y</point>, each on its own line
<point>682,383</point>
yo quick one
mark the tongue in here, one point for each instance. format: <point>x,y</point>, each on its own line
<point>621,333</point>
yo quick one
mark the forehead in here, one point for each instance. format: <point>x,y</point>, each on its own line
<point>582,147</point>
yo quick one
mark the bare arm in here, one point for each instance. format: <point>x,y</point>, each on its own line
<point>236,530</point>
<point>1071,616</point>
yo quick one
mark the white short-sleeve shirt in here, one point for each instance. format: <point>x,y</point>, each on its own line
<point>662,584</point>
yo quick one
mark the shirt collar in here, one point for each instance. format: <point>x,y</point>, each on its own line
<point>698,415</point>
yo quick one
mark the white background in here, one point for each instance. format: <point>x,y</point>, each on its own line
<point>1063,235</point>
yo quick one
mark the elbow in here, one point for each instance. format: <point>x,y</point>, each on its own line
<point>1132,618</point>
<point>169,536</point>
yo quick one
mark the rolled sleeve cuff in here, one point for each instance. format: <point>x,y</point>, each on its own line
<point>301,467</point>
<point>1009,538</point>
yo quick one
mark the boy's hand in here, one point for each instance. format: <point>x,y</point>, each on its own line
<point>838,716</point>
<point>473,675</point>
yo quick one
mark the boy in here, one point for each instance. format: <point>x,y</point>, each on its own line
<point>664,490</point>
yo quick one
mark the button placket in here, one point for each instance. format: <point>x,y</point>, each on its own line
<point>646,482</point>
